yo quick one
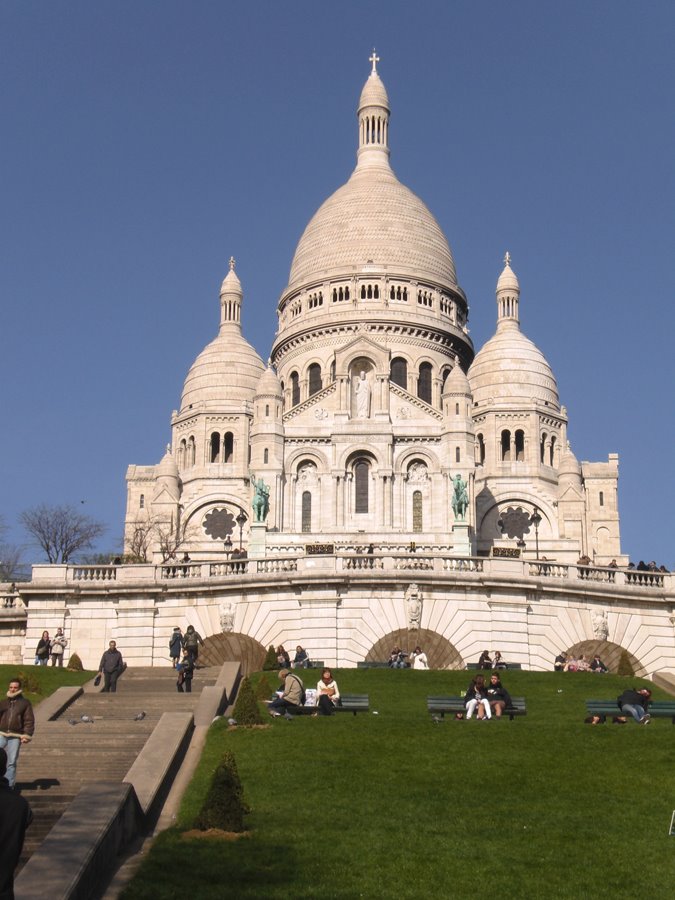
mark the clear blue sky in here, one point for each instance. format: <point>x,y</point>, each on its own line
<point>145,142</point>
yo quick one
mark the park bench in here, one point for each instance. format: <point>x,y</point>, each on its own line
<point>658,709</point>
<point>439,706</point>
<point>512,665</point>
<point>364,664</point>
<point>351,703</point>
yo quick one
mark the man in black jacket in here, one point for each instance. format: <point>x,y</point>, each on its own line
<point>635,703</point>
<point>111,667</point>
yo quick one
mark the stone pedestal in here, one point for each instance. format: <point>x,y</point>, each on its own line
<point>257,541</point>
<point>461,540</point>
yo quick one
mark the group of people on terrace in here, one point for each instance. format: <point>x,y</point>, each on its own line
<point>486,661</point>
<point>400,659</point>
<point>301,659</point>
<point>568,663</point>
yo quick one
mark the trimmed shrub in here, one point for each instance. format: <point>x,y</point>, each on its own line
<point>29,683</point>
<point>263,689</point>
<point>75,663</point>
<point>224,806</point>
<point>246,710</point>
<point>270,663</point>
<point>625,667</point>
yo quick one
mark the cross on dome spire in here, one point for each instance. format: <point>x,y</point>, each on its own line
<point>374,59</point>
<point>232,264</point>
<point>507,258</point>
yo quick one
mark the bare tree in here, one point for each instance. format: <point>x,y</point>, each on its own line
<point>171,538</point>
<point>11,563</point>
<point>61,531</point>
<point>140,540</point>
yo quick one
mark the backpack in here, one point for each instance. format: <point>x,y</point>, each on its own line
<point>303,692</point>
<point>191,640</point>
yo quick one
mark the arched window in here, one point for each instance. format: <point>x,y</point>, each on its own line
<point>552,451</point>
<point>314,378</point>
<point>267,409</point>
<point>456,409</point>
<point>182,454</point>
<point>306,511</point>
<point>215,446</point>
<point>542,448</point>
<point>228,447</point>
<point>602,499</point>
<point>520,446</point>
<point>506,446</point>
<point>266,456</point>
<point>424,382</point>
<point>417,518</point>
<point>398,372</point>
<point>481,450</point>
<point>361,479</point>
<point>332,371</point>
<point>295,389</point>
<point>192,451</point>
<point>141,501</point>
<point>458,455</point>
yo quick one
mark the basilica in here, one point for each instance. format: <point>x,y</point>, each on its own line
<point>372,403</point>
<point>378,482</point>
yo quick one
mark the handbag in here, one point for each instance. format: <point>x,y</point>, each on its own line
<point>97,680</point>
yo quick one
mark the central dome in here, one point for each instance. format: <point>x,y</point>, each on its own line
<point>373,220</point>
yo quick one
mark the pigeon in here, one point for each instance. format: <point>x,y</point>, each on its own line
<point>436,720</point>
<point>139,717</point>
<point>87,719</point>
<point>288,717</point>
<point>231,721</point>
<point>73,722</point>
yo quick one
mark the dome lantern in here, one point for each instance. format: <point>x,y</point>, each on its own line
<point>231,296</point>
<point>373,113</point>
<point>508,294</point>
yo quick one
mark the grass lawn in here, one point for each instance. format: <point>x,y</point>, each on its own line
<point>392,805</point>
<point>40,681</point>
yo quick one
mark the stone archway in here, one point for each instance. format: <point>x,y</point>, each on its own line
<point>608,652</point>
<point>440,652</point>
<point>232,647</point>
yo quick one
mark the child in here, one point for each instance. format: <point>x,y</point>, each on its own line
<point>186,669</point>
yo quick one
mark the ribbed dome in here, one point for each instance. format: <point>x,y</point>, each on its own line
<point>269,384</point>
<point>167,466</point>
<point>510,368</point>
<point>226,372</point>
<point>457,382</point>
<point>373,217</point>
<point>569,470</point>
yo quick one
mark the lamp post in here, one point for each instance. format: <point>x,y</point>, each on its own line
<point>535,519</point>
<point>241,520</point>
<point>227,544</point>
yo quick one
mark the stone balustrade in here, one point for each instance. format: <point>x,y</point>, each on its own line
<point>382,561</point>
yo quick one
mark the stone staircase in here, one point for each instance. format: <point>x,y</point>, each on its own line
<point>63,757</point>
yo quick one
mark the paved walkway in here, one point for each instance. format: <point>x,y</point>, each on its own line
<point>62,757</point>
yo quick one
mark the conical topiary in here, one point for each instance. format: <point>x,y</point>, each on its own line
<point>625,667</point>
<point>246,710</point>
<point>224,806</point>
<point>270,663</point>
<point>75,663</point>
<point>263,689</point>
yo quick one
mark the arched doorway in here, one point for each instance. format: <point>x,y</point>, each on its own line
<point>440,652</point>
<point>231,647</point>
